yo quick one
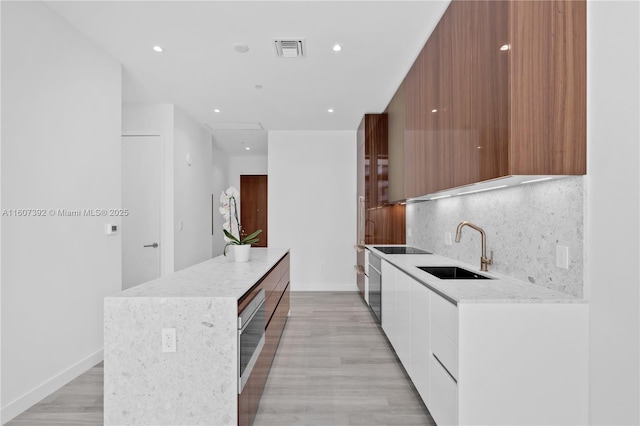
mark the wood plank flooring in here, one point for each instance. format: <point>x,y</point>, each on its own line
<point>334,367</point>
<point>80,402</point>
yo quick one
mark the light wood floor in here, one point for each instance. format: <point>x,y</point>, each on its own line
<point>334,367</point>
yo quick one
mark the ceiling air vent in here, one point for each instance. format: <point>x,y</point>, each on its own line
<point>289,48</point>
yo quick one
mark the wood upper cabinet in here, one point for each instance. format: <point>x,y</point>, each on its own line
<point>499,89</point>
<point>395,117</point>
<point>372,133</point>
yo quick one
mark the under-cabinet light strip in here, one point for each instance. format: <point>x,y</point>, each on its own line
<point>536,180</point>
<point>440,196</point>
<point>482,190</point>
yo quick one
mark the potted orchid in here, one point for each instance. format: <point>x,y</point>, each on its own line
<point>234,235</point>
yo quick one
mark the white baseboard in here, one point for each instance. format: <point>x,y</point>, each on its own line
<point>21,404</point>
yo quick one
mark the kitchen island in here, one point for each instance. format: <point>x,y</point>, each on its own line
<point>147,382</point>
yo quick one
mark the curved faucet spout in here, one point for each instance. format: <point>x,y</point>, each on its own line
<point>484,260</point>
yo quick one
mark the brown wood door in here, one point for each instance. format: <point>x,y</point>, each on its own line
<point>253,206</point>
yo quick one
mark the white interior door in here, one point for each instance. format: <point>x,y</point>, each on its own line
<point>141,185</point>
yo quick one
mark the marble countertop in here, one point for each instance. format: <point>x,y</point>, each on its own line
<point>500,289</point>
<point>219,277</point>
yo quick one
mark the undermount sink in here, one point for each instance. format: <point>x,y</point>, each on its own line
<point>452,273</point>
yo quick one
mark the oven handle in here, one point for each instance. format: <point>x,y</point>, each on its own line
<point>252,362</point>
<point>253,307</point>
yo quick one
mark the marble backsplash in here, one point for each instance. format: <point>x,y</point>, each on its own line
<point>523,226</point>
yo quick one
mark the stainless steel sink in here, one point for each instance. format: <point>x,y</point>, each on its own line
<point>452,273</point>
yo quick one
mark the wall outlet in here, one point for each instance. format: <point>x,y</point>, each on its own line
<point>447,238</point>
<point>168,340</point>
<point>562,257</point>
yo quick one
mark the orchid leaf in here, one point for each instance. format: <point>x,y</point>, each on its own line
<point>245,240</point>
<point>231,237</point>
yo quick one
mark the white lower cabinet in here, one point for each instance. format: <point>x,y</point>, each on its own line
<point>420,344</point>
<point>388,295</point>
<point>444,395</point>
<point>488,363</point>
<point>402,344</point>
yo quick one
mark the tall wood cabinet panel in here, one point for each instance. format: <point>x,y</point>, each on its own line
<point>499,89</point>
<point>372,132</point>
<point>384,223</point>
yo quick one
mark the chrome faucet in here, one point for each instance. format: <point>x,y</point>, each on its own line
<point>484,260</point>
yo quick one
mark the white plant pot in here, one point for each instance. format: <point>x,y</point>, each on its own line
<point>241,252</point>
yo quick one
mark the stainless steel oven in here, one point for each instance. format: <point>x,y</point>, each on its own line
<point>375,286</point>
<point>251,336</point>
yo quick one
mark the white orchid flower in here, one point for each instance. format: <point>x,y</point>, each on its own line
<point>232,192</point>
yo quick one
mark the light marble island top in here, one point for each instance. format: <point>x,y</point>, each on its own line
<point>500,289</point>
<point>217,277</point>
<point>197,383</point>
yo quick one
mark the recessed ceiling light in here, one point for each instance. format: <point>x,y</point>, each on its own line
<point>505,47</point>
<point>434,110</point>
<point>216,110</point>
<point>337,48</point>
<point>258,86</point>
<point>158,49</point>
<point>241,48</point>
<point>330,110</point>
<point>248,148</point>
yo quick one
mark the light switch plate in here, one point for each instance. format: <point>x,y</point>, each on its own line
<point>409,232</point>
<point>562,257</point>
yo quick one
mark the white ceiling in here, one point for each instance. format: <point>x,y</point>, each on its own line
<point>200,71</point>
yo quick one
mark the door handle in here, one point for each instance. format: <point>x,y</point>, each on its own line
<point>154,245</point>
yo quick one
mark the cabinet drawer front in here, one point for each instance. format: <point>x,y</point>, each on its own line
<point>444,315</point>
<point>366,262</point>
<point>446,350</point>
<point>375,262</point>
<point>444,396</point>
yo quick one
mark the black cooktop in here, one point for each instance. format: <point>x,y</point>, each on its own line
<point>401,250</point>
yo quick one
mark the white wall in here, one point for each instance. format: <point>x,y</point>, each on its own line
<point>60,150</point>
<point>158,119</point>
<point>193,188</point>
<point>249,165</point>
<point>312,206</point>
<point>612,212</point>
<point>186,192</point>
<point>220,183</point>
<point>236,166</point>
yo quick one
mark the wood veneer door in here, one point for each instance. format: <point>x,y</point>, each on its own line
<point>548,87</point>
<point>490,82</point>
<point>462,124</point>
<point>412,99</point>
<point>253,206</point>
